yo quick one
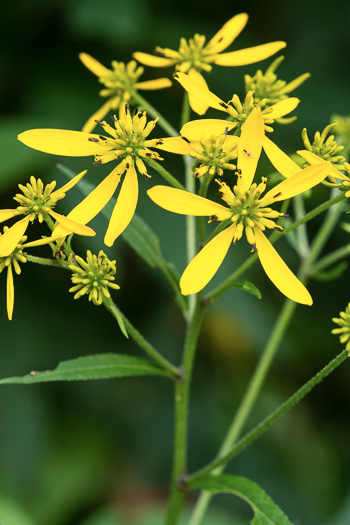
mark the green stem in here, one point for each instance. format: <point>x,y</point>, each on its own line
<point>331,258</point>
<point>141,341</point>
<point>48,262</point>
<point>164,173</point>
<point>168,128</point>
<point>249,399</point>
<point>182,389</point>
<point>264,425</point>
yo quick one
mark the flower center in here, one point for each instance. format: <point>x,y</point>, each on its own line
<point>214,154</point>
<point>36,201</point>
<point>120,81</point>
<point>192,54</point>
<point>16,256</point>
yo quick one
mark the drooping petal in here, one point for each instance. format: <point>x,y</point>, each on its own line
<point>283,164</point>
<point>7,214</point>
<point>195,88</point>
<point>174,145</point>
<point>11,237</point>
<point>62,142</point>
<point>41,242</point>
<point>91,206</point>
<point>227,34</point>
<point>278,272</point>
<point>249,55</point>
<point>10,292</point>
<point>197,105</point>
<point>69,184</point>
<point>249,147</point>
<point>153,61</point>
<point>72,226</point>
<point>125,207</point>
<point>196,129</point>
<point>158,83</point>
<point>302,181</point>
<point>312,158</point>
<point>94,65</point>
<point>184,202</point>
<point>100,114</point>
<point>283,107</point>
<point>206,263</point>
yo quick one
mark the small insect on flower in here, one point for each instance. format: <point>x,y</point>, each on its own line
<point>249,154</point>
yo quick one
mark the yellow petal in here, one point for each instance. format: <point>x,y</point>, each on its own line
<point>12,236</point>
<point>158,83</point>
<point>197,105</point>
<point>311,158</point>
<point>249,55</point>
<point>278,272</point>
<point>7,214</point>
<point>196,129</point>
<point>249,147</point>
<point>206,263</point>
<point>173,145</point>
<point>72,226</point>
<point>88,208</point>
<point>62,142</point>
<point>10,292</point>
<point>100,114</point>
<point>184,202</point>
<point>283,107</point>
<point>42,241</point>
<point>125,207</point>
<point>302,181</point>
<point>283,164</point>
<point>227,34</point>
<point>69,184</point>
<point>197,89</point>
<point>153,61</point>
<point>94,65</point>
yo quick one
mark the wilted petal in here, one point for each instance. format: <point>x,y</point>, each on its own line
<point>72,226</point>
<point>91,206</point>
<point>158,83</point>
<point>125,207</point>
<point>196,129</point>
<point>94,65</point>
<point>249,147</point>
<point>153,61</point>
<point>302,181</point>
<point>174,145</point>
<point>282,108</point>
<point>184,202</point>
<point>206,263</point>
<point>278,272</point>
<point>62,142</point>
<point>197,89</point>
<point>197,105</point>
<point>249,55</point>
<point>227,33</point>
<point>11,237</point>
<point>283,164</point>
<point>10,292</point>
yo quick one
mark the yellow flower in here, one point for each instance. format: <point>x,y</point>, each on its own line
<point>14,257</point>
<point>195,55</point>
<point>344,331</point>
<point>127,144</point>
<point>37,202</point>
<point>120,84</point>
<point>247,211</point>
<point>195,129</point>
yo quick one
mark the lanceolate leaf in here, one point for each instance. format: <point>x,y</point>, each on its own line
<point>101,366</point>
<point>247,286</point>
<point>265,510</point>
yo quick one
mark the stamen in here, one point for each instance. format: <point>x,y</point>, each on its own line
<point>97,162</point>
<point>186,140</point>
<point>225,106</point>
<point>93,139</point>
<point>100,123</point>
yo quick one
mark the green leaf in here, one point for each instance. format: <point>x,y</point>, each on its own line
<point>101,366</point>
<point>265,510</point>
<point>247,286</point>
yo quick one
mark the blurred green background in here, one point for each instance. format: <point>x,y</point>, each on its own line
<point>99,453</point>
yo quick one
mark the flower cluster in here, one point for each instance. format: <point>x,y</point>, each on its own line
<point>344,323</point>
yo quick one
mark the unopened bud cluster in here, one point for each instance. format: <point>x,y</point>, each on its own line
<point>325,148</point>
<point>37,201</point>
<point>344,323</point>
<point>93,276</point>
<point>214,155</point>
<point>120,81</point>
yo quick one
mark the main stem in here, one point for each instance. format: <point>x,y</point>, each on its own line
<point>182,389</point>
